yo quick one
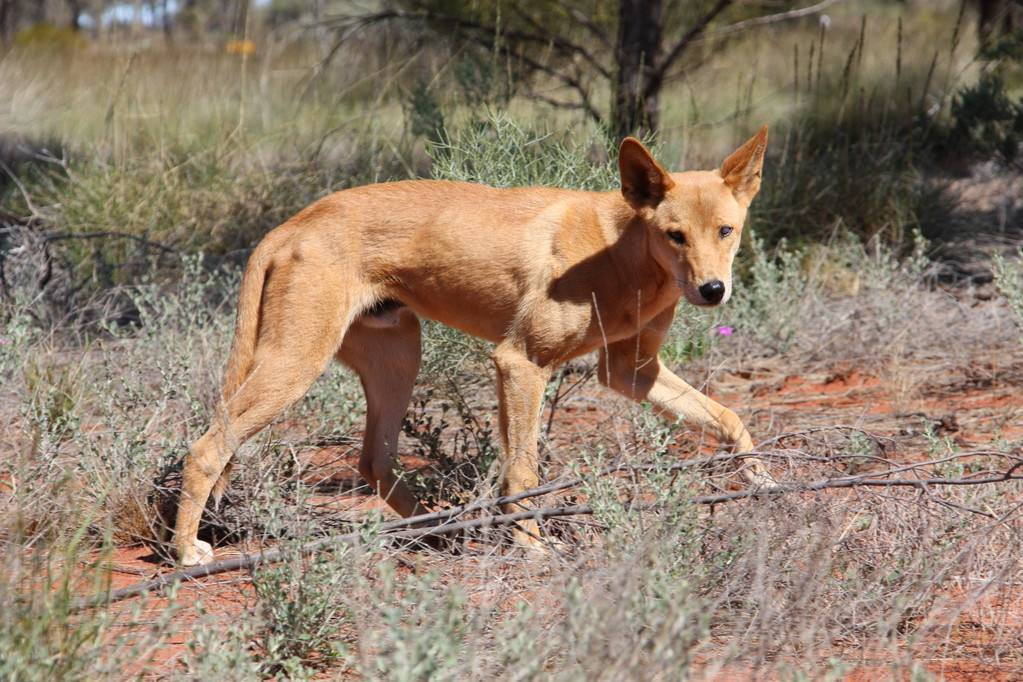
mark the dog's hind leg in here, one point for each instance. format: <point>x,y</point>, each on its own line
<point>385,352</point>
<point>303,321</point>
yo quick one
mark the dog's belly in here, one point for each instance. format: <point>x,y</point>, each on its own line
<point>486,324</point>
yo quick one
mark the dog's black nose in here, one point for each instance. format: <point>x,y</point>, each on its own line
<point>713,291</point>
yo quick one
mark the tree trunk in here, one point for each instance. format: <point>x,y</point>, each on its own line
<point>168,23</point>
<point>75,7</point>
<point>638,48</point>
<point>995,19</point>
<point>188,18</point>
<point>8,19</point>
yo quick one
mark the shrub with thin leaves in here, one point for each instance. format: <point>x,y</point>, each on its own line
<point>1009,280</point>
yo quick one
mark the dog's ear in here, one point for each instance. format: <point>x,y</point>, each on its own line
<point>741,171</point>
<point>644,182</point>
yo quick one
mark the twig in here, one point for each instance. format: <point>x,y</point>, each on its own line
<point>109,234</point>
<point>771,18</point>
<point>404,530</point>
<point>657,76</point>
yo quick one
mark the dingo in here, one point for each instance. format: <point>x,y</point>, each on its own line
<point>546,274</point>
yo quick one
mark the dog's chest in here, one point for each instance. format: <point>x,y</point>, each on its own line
<point>560,329</point>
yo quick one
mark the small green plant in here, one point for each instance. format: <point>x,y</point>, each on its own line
<point>773,295</point>
<point>461,448</point>
<point>214,653</point>
<point>56,393</point>
<point>1009,280</point>
<point>422,635</point>
<point>691,336</point>
<point>302,611</point>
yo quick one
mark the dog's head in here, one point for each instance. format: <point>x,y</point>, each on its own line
<point>694,218</point>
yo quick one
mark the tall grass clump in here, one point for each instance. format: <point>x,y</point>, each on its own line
<point>856,151</point>
<point>43,635</point>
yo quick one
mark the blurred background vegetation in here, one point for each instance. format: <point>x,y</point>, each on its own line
<point>134,132</point>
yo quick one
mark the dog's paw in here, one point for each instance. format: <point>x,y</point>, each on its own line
<point>199,553</point>
<point>757,474</point>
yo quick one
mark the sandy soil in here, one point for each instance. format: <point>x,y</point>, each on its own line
<point>975,406</point>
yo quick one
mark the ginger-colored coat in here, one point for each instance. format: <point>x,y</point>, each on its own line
<point>546,274</point>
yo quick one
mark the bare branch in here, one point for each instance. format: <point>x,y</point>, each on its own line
<point>485,36</point>
<point>560,43</point>
<point>405,529</point>
<point>597,32</point>
<point>571,81</point>
<point>110,234</point>
<point>771,19</point>
<point>660,71</point>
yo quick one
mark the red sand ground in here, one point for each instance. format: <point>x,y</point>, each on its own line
<point>975,406</point>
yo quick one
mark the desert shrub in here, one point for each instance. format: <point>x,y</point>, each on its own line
<point>213,653</point>
<point>460,443</point>
<point>1009,280</point>
<point>42,634</point>
<point>77,405</point>
<point>111,222</point>
<point>498,151</point>
<point>421,634</point>
<point>781,290</point>
<point>302,610</point>
<point>986,123</point>
<point>986,116</point>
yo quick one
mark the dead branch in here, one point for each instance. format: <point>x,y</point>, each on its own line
<point>490,38</point>
<point>771,19</point>
<point>698,33</point>
<point>110,234</point>
<point>412,529</point>
<point>657,76</point>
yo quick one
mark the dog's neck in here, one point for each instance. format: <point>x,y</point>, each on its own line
<point>627,235</point>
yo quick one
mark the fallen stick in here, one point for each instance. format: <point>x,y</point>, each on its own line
<point>403,530</point>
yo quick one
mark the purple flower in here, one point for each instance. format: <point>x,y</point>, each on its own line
<point>5,341</point>
<point>725,330</point>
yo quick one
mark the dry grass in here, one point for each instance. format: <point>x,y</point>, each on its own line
<point>890,580</point>
<point>111,348</point>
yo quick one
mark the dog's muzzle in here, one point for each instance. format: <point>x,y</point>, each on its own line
<point>713,291</point>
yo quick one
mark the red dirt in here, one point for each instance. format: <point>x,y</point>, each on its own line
<point>975,407</point>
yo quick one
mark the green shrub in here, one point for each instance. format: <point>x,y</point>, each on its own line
<point>498,151</point>
<point>49,38</point>
<point>1009,280</point>
<point>987,124</point>
<point>302,612</point>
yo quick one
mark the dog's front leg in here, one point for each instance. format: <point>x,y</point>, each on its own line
<point>520,387</point>
<point>674,399</point>
<point>632,368</point>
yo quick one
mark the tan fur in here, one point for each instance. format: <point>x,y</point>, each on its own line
<point>546,274</point>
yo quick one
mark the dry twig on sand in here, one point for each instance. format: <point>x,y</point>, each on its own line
<point>447,522</point>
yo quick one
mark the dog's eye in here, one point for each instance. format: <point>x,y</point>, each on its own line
<point>725,230</point>
<point>676,236</point>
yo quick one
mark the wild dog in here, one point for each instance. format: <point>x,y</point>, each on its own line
<point>545,274</point>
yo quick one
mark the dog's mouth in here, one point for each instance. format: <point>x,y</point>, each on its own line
<point>694,297</point>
